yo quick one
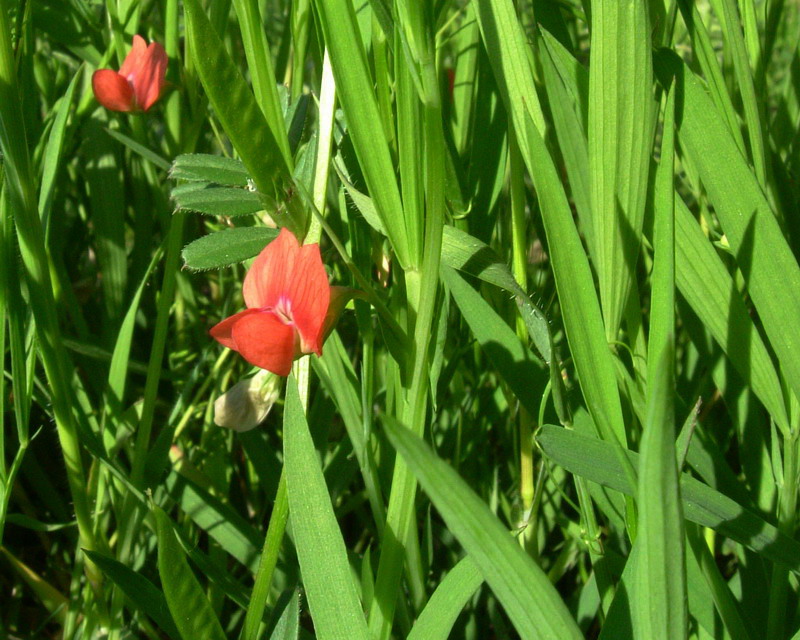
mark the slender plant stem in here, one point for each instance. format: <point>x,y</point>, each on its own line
<point>519,262</point>
<point>787,516</point>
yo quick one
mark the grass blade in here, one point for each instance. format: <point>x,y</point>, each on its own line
<point>620,141</point>
<point>767,263</point>
<point>661,585</point>
<point>595,460</point>
<point>142,593</point>
<point>187,603</point>
<point>451,596</point>
<point>531,601</point>
<point>329,582</point>
<point>354,89</point>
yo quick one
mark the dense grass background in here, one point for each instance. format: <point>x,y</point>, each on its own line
<point>565,403</point>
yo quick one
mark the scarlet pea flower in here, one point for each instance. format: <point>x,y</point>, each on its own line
<point>288,296</point>
<point>139,82</point>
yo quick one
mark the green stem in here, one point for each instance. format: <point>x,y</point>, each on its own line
<point>519,262</point>
<point>269,559</point>
<point>779,585</point>
<point>280,511</point>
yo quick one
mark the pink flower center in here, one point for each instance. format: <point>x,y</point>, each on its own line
<point>283,309</point>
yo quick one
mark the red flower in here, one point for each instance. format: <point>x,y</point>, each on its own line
<point>139,82</point>
<point>287,296</point>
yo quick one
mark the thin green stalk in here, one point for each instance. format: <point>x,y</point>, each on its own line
<point>171,46</point>
<point>131,512</point>
<point>269,559</point>
<point>301,19</point>
<point>787,517</point>
<point>752,109</point>
<point>20,181</point>
<point>519,265</point>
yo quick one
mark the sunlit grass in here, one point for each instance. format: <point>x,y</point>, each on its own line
<point>561,400</point>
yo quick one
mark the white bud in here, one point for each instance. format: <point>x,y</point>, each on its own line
<point>247,403</point>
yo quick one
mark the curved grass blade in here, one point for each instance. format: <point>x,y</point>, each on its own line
<point>580,308</point>
<point>531,601</point>
<point>187,603</point>
<point>466,253</point>
<point>762,253</point>
<point>451,596</point>
<point>140,591</point>
<point>234,534</point>
<point>522,371</point>
<point>354,90</point>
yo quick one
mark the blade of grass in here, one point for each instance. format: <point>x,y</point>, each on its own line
<point>187,603</point>
<point>262,74</point>
<point>142,593</point>
<point>596,461</point>
<point>620,137</point>
<point>767,263</point>
<point>661,601</point>
<point>332,595</point>
<point>354,87</point>
<point>579,304</point>
<point>446,603</point>
<point>534,606</point>
<point>20,183</point>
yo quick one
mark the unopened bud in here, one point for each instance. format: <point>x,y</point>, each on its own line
<point>247,403</point>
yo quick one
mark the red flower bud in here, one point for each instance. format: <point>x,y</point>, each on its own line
<point>139,82</point>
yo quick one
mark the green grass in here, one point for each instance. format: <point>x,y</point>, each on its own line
<point>564,401</point>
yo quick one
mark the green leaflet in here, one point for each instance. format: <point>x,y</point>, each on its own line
<point>227,247</point>
<point>595,460</point>
<point>217,201</point>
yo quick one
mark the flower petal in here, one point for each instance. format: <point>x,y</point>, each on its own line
<point>149,78</point>
<point>309,293</point>
<point>112,90</point>
<point>221,331</point>
<point>265,341</point>
<point>269,275</point>
<point>133,61</point>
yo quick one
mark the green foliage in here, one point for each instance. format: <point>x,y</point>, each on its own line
<point>526,240</point>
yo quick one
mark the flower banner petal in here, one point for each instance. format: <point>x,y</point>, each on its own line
<point>269,274</point>
<point>310,294</point>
